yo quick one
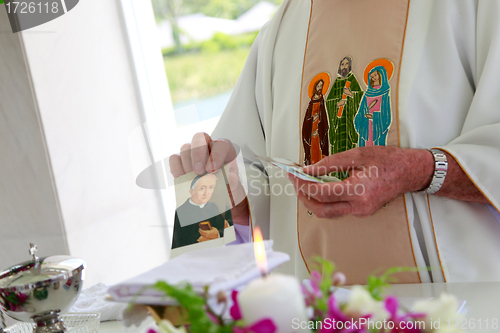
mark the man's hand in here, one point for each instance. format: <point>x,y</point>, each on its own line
<point>348,92</point>
<point>341,103</point>
<point>206,155</point>
<point>207,235</point>
<point>377,176</point>
<point>202,155</point>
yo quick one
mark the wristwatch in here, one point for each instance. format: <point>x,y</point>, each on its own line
<point>440,170</point>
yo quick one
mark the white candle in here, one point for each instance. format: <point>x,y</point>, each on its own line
<point>277,297</point>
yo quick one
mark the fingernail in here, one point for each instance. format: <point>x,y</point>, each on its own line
<point>198,168</point>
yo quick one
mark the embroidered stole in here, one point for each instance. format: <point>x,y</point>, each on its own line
<point>356,45</point>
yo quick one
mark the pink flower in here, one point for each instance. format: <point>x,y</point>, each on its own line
<point>235,311</point>
<point>391,304</point>
<point>316,283</point>
<point>22,297</point>
<point>335,315</point>
<point>308,296</point>
<point>312,290</point>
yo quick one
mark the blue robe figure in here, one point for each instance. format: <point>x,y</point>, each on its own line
<point>374,118</point>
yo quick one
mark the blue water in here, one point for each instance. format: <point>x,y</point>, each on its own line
<point>190,112</point>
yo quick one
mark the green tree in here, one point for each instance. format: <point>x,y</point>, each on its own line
<point>170,10</point>
<point>219,8</point>
<point>229,9</point>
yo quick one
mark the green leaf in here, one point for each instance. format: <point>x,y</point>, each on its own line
<point>326,268</point>
<point>377,285</point>
<point>195,306</point>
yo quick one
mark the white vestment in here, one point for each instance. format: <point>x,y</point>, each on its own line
<point>448,95</point>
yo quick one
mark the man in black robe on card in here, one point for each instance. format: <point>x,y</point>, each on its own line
<point>197,219</point>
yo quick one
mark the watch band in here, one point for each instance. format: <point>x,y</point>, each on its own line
<point>440,170</point>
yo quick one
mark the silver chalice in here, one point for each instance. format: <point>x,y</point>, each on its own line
<point>41,289</point>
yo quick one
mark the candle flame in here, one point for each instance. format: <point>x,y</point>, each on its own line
<point>260,251</point>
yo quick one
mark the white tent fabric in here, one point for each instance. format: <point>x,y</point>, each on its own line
<point>68,108</point>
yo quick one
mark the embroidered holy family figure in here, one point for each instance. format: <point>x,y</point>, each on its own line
<point>349,117</point>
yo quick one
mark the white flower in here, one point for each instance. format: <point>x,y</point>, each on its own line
<point>338,279</point>
<point>362,303</point>
<point>442,313</point>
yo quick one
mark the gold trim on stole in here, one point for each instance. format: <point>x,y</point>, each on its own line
<point>435,239</point>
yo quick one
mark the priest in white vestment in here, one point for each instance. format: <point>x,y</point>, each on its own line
<point>444,95</point>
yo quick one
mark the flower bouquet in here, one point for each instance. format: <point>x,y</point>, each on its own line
<point>366,310</point>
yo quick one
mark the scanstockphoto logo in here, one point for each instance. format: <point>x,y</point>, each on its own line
<point>26,14</point>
